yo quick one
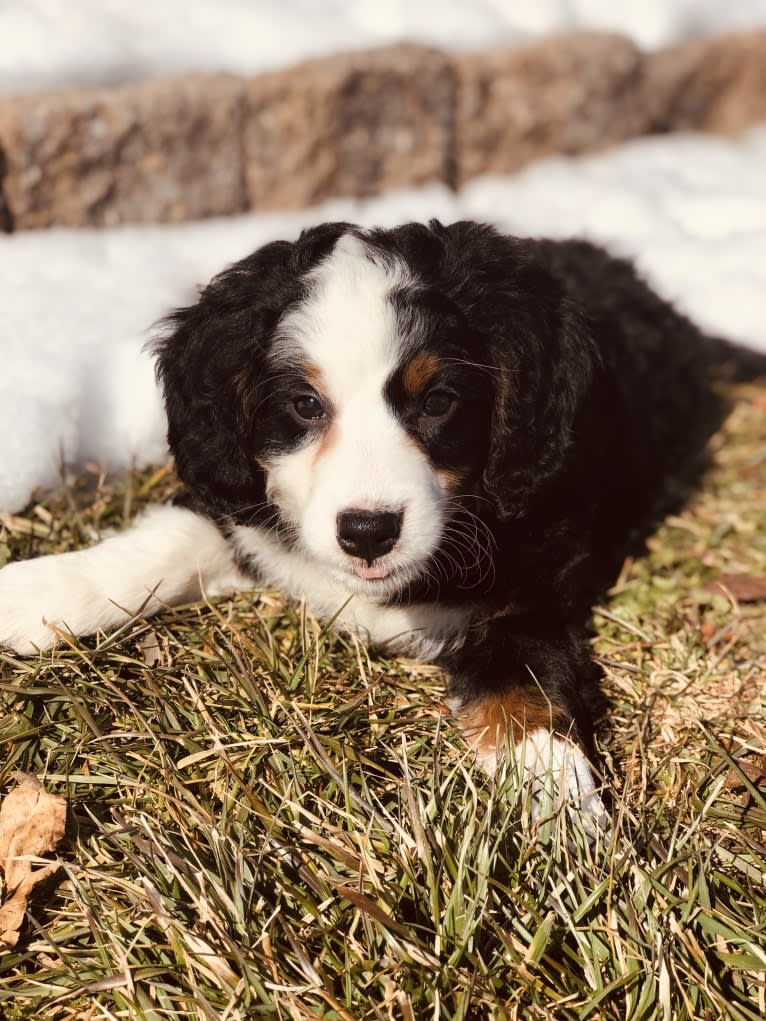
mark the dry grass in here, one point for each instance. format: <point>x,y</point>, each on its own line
<point>265,821</point>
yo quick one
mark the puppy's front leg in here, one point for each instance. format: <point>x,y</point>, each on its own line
<point>169,556</point>
<point>529,690</point>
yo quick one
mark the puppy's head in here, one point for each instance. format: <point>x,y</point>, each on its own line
<point>354,391</point>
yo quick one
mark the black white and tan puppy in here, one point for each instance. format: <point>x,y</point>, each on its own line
<point>464,432</point>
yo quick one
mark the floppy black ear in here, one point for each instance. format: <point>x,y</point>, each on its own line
<point>515,304</point>
<point>201,360</point>
<point>546,359</point>
<point>211,361</point>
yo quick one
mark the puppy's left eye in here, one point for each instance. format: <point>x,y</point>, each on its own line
<point>438,404</point>
<point>308,408</point>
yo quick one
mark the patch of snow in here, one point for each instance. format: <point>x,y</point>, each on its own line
<point>50,43</point>
<point>77,307</point>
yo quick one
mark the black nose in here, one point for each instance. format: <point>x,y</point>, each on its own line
<point>368,534</point>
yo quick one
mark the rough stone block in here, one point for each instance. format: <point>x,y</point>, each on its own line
<point>714,85</point>
<point>157,151</point>
<point>355,124</point>
<point>569,94</point>
<point>350,125</point>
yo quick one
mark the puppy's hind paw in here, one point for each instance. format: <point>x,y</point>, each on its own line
<point>558,776</point>
<point>551,769</point>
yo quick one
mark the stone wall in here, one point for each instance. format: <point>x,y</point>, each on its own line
<point>355,124</point>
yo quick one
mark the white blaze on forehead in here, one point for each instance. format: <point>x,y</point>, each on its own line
<point>346,326</point>
<point>346,331</point>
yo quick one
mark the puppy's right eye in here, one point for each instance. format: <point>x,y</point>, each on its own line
<point>438,404</point>
<point>308,408</point>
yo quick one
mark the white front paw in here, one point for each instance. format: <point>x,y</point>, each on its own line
<point>170,555</point>
<point>37,596</point>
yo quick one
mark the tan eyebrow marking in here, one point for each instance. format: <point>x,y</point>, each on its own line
<point>419,372</point>
<point>313,373</point>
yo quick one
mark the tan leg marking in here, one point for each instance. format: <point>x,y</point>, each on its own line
<point>554,765</point>
<point>490,723</point>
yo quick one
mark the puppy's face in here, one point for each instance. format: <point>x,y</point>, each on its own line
<point>349,392</point>
<point>374,417</point>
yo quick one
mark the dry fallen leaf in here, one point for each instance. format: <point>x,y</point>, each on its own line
<point>150,649</point>
<point>746,588</point>
<point>32,823</point>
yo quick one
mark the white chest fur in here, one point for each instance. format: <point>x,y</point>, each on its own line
<point>422,630</point>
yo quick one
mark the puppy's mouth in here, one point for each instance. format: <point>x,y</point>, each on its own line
<point>372,573</point>
<point>376,578</point>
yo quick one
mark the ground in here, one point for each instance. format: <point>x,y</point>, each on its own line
<point>265,820</point>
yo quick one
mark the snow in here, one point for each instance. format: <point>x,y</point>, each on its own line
<point>49,43</point>
<point>77,306</point>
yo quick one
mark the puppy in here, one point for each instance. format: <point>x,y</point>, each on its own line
<point>450,436</point>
